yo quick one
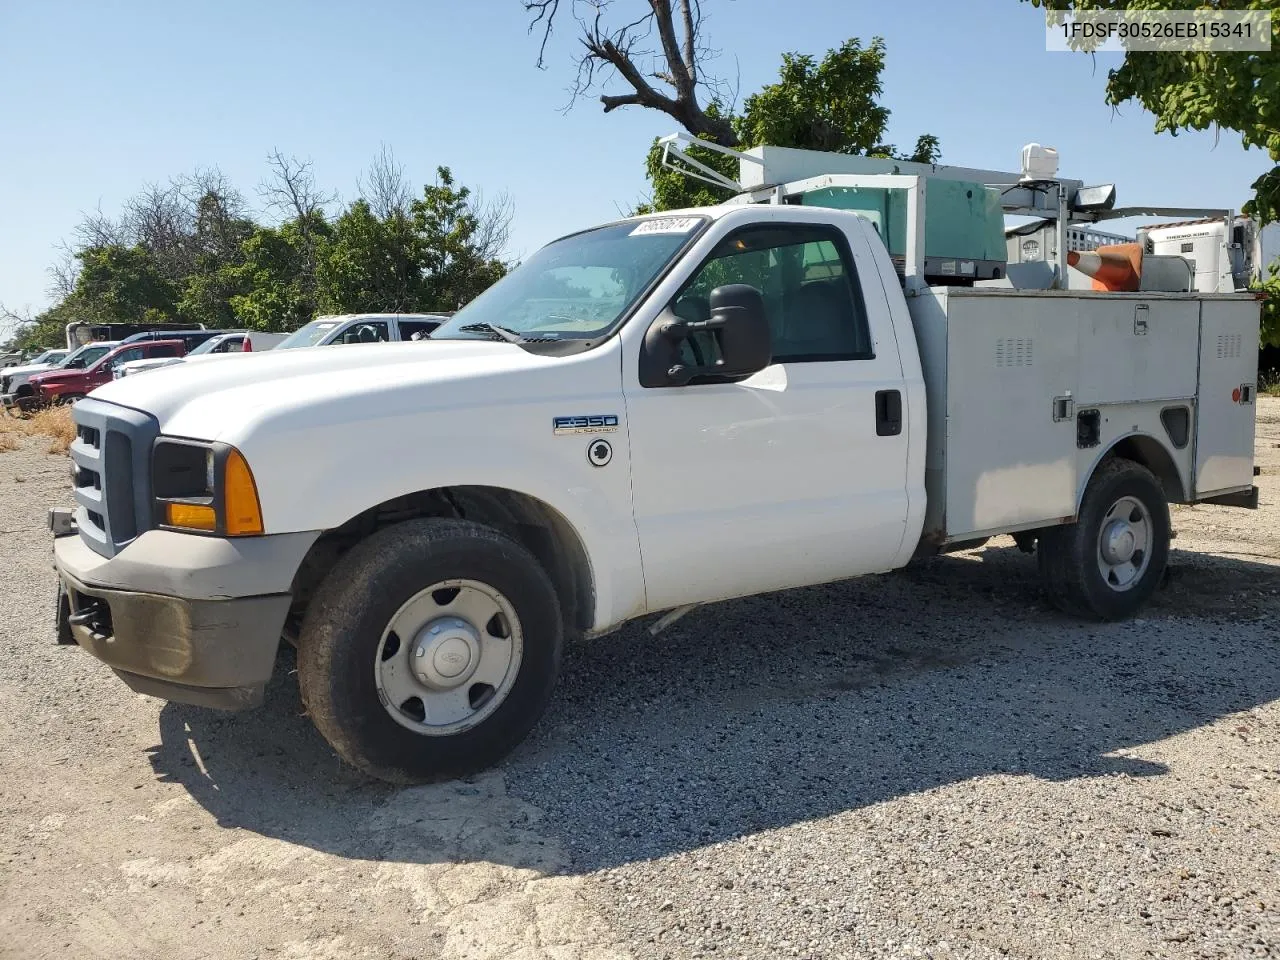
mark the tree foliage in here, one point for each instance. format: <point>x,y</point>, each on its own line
<point>1203,91</point>
<point>830,104</point>
<point>661,58</point>
<point>190,251</point>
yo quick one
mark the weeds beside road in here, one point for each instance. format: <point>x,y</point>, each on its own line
<point>53,422</point>
<point>931,763</point>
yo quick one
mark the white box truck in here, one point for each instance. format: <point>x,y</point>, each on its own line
<point>656,413</point>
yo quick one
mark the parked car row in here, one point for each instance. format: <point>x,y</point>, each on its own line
<point>60,376</point>
<point>220,342</point>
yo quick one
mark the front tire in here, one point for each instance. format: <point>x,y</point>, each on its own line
<point>1106,565</point>
<point>430,650</point>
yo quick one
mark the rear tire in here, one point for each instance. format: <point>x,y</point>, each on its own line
<point>1107,564</point>
<point>406,708</point>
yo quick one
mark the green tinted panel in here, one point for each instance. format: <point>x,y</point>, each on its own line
<point>962,220</point>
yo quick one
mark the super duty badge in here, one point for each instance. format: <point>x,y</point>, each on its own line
<point>596,423</point>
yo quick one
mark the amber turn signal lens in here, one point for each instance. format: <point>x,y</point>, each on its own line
<point>191,516</point>
<point>240,497</point>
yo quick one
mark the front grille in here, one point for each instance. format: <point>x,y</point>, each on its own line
<point>112,453</point>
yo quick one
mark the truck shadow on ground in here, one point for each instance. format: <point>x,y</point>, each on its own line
<point>775,710</point>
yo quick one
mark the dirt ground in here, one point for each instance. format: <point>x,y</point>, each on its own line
<point>931,763</point>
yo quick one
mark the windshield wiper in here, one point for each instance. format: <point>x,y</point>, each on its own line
<point>501,332</point>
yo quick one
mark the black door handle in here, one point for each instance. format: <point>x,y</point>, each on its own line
<point>888,413</point>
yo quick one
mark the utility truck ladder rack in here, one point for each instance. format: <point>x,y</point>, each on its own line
<point>784,175</point>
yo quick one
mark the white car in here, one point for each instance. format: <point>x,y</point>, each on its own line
<point>363,328</point>
<point>224,343</point>
<point>44,361</point>
<point>13,380</point>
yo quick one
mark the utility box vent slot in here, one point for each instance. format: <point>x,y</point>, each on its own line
<point>1229,345</point>
<point>1013,352</point>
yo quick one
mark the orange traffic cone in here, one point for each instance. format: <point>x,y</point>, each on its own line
<point>1115,267</point>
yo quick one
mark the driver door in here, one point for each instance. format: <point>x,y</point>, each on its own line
<point>786,477</point>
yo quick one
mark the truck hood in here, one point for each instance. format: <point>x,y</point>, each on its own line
<point>58,376</point>
<point>25,370</point>
<point>223,397</point>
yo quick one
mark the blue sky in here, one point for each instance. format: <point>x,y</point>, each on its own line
<point>102,96</point>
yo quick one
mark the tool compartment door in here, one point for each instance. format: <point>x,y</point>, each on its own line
<point>1132,350</point>
<point>1012,371</point>
<point>1226,401</point>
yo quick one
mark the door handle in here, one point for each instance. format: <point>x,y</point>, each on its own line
<point>888,413</point>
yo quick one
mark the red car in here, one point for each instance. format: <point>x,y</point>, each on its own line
<point>64,386</point>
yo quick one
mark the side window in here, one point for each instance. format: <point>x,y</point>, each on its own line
<point>410,328</point>
<point>811,292</point>
<point>164,350</point>
<point>230,345</point>
<point>372,331</point>
<point>124,356</point>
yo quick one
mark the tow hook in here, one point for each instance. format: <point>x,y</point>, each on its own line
<point>62,521</point>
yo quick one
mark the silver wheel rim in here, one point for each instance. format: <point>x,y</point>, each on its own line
<point>449,657</point>
<point>1124,544</point>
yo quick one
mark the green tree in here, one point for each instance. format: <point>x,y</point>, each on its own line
<point>371,263</point>
<point>830,104</point>
<point>191,251</point>
<point>279,292</point>
<point>456,265</point>
<point>217,244</point>
<point>120,285</point>
<point>1202,91</point>
<point>47,329</point>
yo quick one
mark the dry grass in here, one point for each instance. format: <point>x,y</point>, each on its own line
<point>54,423</point>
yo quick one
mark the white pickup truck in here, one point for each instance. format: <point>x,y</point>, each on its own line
<point>656,413</point>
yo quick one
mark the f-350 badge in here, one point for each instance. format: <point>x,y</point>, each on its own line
<point>594,423</point>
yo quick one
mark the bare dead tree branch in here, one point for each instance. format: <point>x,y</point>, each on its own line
<point>63,272</point>
<point>12,321</point>
<point>622,52</point>
<point>96,229</point>
<point>160,220</point>
<point>384,186</point>
<point>545,15</point>
<point>493,224</point>
<point>291,190</point>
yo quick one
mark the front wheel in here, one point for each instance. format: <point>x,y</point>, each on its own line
<point>1107,564</point>
<point>430,650</point>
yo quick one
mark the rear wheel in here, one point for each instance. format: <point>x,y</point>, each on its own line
<point>1107,564</point>
<point>430,650</point>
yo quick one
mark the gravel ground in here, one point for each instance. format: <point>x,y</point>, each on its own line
<point>930,763</point>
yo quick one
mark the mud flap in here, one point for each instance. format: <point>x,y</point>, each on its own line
<point>62,616</point>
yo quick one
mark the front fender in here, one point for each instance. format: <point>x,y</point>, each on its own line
<point>319,479</point>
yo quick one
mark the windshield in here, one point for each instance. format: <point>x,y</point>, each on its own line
<point>49,356</point>
<point>309,335</point>
<point>578,287</point>
<point>208,346</point>
<point>86,355</point>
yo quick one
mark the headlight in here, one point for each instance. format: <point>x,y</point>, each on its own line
<point>206,487</point>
